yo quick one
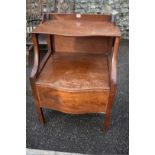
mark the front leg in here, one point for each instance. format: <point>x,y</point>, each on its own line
<point>39,111</point>
<point>109,107</point>
<point>40,114</point>
<point>33,78</point>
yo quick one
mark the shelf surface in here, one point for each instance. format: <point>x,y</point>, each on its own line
<point>76,72</point>
<point>78,28</point>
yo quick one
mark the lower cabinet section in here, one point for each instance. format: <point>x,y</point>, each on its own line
<point>73,102</point>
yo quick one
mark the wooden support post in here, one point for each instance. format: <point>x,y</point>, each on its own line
<point>113,83</point>
<point>33,77</point>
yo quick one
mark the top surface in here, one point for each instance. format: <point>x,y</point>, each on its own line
<point>78,28</point>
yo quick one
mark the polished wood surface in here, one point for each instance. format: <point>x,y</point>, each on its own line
<point>73,102</point>
<point>78,73</point>
<point>113,82</point>
<point>83,44</point>
<point>78,28</point>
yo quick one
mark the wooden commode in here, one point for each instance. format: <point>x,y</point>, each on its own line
<point>78,73</point>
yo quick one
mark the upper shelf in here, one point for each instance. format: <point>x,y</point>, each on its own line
<point>78,27</point>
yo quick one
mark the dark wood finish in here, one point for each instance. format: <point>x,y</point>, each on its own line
<point>78,73</point>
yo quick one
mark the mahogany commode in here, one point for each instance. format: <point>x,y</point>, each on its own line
<point>78,73</point>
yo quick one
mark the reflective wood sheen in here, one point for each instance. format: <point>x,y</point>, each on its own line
<point>78,73</point>
<point>73,102</point>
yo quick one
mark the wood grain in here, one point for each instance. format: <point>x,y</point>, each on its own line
<point>76,72</point>
<point>77,28</point>
<point>113,82</point>
<point>73,102</point>
<point>83,44</point>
